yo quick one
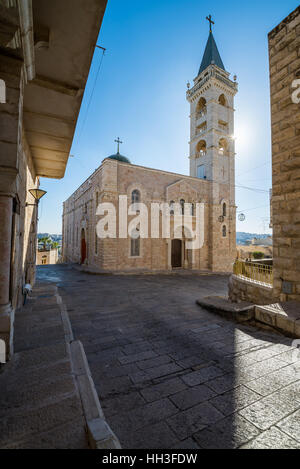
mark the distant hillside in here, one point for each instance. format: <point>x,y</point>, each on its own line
<point>242,237</point>
<point>54,237</point>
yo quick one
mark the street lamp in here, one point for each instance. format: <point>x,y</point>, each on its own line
<point>37,194</point>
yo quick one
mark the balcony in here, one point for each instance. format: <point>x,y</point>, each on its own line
<point>223,128</point>
<point>201,117</point>
<point>200,130</point>
<point>200,154</point>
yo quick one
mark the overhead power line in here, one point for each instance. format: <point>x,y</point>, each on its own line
<point>253,169</point>
<point>93,90</point>
<point>253,189</point>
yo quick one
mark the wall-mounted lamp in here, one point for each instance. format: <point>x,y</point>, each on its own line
<point>37,194</point>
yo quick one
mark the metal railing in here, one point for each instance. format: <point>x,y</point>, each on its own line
<point>251,270</point>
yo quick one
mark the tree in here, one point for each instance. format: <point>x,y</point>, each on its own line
<point>54,245</point>
<point>45,240</point>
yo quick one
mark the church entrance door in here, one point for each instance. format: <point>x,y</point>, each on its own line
<point>83,247</point>
<point>176,253</point>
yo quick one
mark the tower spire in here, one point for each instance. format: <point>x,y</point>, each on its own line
<point>211,54</point>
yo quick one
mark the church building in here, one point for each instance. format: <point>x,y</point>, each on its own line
<point>211,182</point>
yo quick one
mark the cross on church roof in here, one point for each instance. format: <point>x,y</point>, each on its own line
<point>209,18</point>
<point>118,141</point>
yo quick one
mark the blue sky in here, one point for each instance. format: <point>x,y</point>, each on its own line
<point>153,48</point>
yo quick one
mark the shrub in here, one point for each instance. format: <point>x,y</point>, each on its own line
<point>258,255</point>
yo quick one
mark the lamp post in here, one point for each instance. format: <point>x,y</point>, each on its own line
<point>37,194</point>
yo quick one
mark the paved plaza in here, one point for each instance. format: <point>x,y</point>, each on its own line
<point>172,375</point>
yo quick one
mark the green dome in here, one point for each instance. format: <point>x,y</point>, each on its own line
<point>119,157</point>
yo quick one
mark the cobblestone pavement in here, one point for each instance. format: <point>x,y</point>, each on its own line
<point>172,375</point>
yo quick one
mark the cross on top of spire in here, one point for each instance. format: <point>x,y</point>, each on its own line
<point>209,18</point>
<point>118,141</point>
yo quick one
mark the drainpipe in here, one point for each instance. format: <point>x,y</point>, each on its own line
<point>26,25</point>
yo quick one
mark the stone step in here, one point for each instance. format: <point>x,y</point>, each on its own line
<point>221,305</point>
<point>283,316</point>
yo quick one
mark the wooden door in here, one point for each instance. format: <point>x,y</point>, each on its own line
<point>176,253</point>
<point>83,250</point>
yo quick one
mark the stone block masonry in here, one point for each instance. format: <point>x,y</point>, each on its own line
<point>284,53</point>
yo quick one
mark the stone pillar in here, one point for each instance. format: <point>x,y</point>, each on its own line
<point>6,312</point>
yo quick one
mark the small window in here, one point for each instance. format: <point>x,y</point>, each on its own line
<point>135,197</point>
<point>224,231</point>
<point>192,210</point>
<point>135,247</point>
<point>201,172</point>
<point>182,202</point>
<point>172,208</point>
<point>224,210</point>
<point>96,243</point>
<point>222,100</point>
<point>97,199</point>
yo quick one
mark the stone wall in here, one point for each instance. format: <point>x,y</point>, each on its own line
<point>246,290</point>
<point>18,222</point>
<point>284,52</point>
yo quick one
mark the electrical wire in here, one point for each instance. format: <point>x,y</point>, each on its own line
<point>250,209</point>
<point>253,189</point>
<point>253,169</point>
<point>92,94</point>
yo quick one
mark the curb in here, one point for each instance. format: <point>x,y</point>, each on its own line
<point>187,272</point>
<point>99,433</point>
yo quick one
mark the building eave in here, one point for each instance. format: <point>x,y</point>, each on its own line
<point>53,98</point>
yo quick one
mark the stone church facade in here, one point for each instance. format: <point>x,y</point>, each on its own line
<point>211,182</point>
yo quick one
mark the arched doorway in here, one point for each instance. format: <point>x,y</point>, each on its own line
<point>83,246</point>
<point>176,253</point>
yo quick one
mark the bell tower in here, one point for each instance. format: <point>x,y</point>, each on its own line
<point>212,148</point>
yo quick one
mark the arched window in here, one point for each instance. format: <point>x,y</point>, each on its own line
<point>224,231</point>
<point>222,100</point>
<point>201,148</point>
<point>224,210</point>
<point>223,146</point>
<point>172,209</point>
<point>182,202</point>
<point>135,197</point>
<point>201,108</point>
